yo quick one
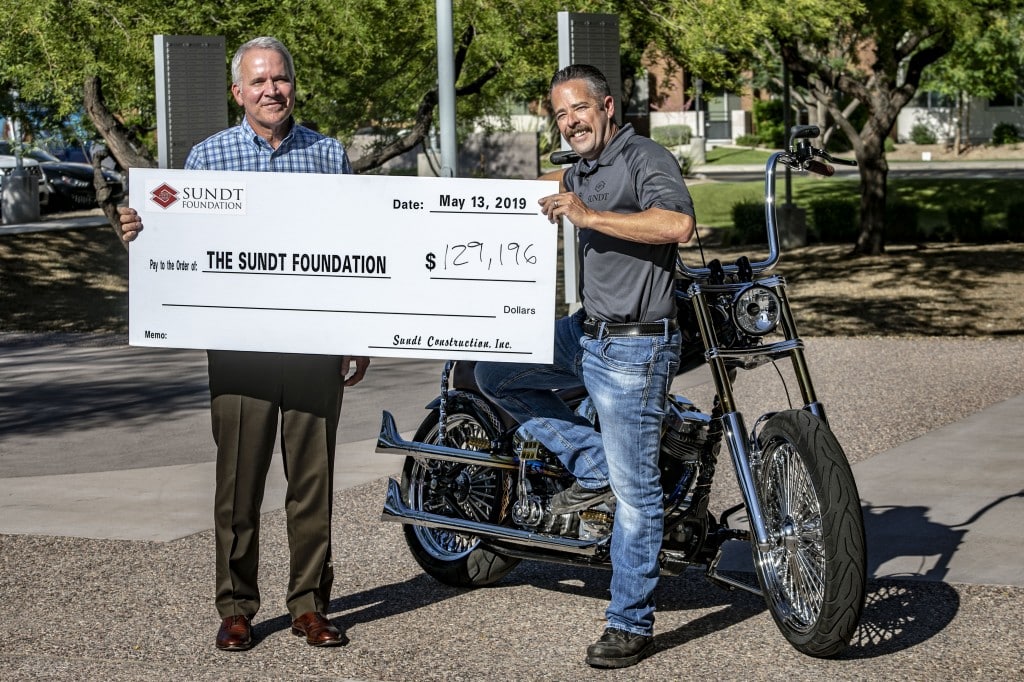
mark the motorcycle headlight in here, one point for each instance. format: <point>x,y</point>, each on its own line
<point>756,310</point>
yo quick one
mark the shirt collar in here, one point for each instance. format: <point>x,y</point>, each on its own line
<point>249,134</point>
<point>608,154</point>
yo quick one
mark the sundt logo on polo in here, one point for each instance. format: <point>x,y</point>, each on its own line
<point>164,195</point>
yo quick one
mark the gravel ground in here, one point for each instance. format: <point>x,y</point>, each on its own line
<point>88,609</point>
<point>897,352</point>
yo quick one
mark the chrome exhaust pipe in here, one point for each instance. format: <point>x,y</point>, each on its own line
<point>396,510</point>
<point>390,440</point>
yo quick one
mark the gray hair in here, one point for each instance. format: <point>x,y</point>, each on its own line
<point>262,43</point>
<point>597,84</point>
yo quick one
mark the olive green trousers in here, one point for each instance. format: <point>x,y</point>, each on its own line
<point>251,395</point>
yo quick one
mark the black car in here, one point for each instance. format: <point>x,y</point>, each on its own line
<point>71,184</point>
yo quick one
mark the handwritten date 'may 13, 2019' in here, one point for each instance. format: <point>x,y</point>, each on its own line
<point>447,203</point>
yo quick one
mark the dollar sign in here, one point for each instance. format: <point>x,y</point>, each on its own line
<point>430,261</point>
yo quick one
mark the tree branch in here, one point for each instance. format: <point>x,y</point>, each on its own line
<point>425,113</point>
<point>120,141</point>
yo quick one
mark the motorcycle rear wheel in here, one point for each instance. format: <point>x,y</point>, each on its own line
<point>467,491</point>
<point>813,577</point>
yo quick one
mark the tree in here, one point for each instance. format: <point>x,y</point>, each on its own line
<point>984,65</point>
<point>870,56</point>
<point>357,65</point>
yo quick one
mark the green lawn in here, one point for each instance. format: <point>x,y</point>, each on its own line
<point>714,201</point>
<point>728,156</point>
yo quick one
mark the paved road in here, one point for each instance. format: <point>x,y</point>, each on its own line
<point>105,492</point>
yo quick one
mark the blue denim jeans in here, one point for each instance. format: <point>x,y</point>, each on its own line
<point>628,379</point>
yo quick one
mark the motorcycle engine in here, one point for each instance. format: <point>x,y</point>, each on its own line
<point>684,433</point>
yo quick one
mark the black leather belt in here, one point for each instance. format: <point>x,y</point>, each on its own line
<point>592,328</point>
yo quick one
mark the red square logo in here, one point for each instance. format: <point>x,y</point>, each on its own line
<point>164,195</point>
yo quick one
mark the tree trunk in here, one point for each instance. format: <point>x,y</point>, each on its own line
<point>874,173</point>
<point>119,143</point>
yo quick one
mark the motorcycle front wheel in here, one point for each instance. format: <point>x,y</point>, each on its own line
<point>813,575</point>
<point>459,490</point>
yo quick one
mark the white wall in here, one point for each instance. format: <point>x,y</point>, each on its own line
<point>942,120</point>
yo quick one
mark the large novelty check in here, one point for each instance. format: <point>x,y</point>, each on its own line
<point>343,264</point>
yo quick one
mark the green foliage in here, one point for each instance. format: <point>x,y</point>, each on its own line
<point>768,125</point>
<point>986,60</point>
<point>966,220</point>
<point>748,141</point>
<point>749,222</point>
<point>834,220</point>
<point>358,62</point>
<point>1015,221</point>
<point>685,164</point>
<point>672,135</point>
<point>922,134</point>
<point>901,224</point>
<point>1005,133</point>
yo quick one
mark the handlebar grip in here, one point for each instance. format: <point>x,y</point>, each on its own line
<point>819,168</point>
<point>563,157</point>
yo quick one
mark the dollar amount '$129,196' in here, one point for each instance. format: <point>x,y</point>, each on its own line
<point>504,254</point>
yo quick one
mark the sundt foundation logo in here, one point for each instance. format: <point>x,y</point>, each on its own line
<point>164,195</point>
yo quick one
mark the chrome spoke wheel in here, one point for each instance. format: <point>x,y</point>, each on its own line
<point>796,563</point>
<point>460,491</point>
<point>813,574</point>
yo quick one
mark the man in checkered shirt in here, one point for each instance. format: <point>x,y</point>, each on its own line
<point>251,392</point>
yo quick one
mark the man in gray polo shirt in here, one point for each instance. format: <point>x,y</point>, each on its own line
<point>627,198</point>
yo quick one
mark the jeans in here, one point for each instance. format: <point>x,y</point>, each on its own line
<point>628,379</point>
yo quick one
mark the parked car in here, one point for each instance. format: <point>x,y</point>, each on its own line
<point>70,185</point>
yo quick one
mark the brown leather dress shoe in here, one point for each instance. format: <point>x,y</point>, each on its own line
<point>235,634</point>
<point>318,630</point>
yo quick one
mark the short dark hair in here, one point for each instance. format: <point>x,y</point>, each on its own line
<point>597,84</point>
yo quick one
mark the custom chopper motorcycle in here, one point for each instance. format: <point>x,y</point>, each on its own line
<point>475,488</point>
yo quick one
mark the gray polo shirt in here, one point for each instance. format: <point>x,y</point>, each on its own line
<point>624,281</point>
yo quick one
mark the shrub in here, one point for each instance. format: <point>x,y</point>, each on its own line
<point>672,135</point>
<point>685,164</point>
<point>966,220</point>
<point>922,134</point>
<point>767,116</point>
<point>1005,133</point>
<point>835,220</point>
<point>748,220</point>
<point>901,223</point>
<point>748,140</point>
<point>1015,221</point>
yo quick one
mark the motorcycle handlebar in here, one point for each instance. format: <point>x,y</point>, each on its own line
<point>818,167</point>
<point>563,157</point>
<point>801,156</point>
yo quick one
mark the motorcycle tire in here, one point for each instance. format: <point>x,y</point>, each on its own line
<point>814,576</point>
<point>468,491</point>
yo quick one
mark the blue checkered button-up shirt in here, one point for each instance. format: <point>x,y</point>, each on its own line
<point>241,149</point>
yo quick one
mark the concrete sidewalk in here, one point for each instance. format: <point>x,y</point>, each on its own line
<point>57,222</point>
<point>946,506</point>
